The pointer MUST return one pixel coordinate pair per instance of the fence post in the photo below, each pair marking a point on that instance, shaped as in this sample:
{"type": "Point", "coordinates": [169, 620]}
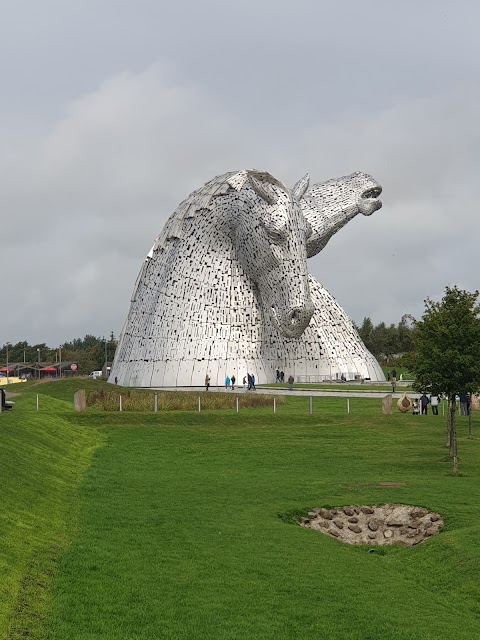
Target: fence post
{"type": "Point", "coordinates": [120, 403]}
{"type": "Point", "coordinates": [348, 405]}
{"type": "Point", "coordinates": [310, 405]}
{"type": "Point", "coordinates": [155, 403]}
{"type": "Point", "coordinates": [198, 404]}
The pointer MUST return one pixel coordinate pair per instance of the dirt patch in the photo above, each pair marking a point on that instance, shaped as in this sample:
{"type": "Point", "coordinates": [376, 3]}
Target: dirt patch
{"type": "Point", "coordinates": [388, 524]}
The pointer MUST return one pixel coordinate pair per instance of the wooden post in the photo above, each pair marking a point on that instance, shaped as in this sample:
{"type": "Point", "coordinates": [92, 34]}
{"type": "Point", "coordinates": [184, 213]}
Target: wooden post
{"type": "Point", "coordinates": [120, 403]}
{"type": "Point", "coordinates": [237, 404]}
{"type": "Point", "coordinates": [199, 404]}
{"type": "Point", "coordinates": [348, 406]}
{"type": "Point", "coordinates": [37, 401]}
{"type": "Point", "coordinates": [274, 405]}
{"type": "Point", "coordinates": [155, 403]}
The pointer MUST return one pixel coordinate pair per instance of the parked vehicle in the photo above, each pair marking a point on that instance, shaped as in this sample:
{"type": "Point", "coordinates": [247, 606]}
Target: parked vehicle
{"type": "Point", "coordinates": [95, 375]}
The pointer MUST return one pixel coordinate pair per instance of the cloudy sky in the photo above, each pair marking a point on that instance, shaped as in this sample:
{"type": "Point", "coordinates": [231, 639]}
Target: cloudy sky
{"type": "Point", "coordinates": [113, 111]}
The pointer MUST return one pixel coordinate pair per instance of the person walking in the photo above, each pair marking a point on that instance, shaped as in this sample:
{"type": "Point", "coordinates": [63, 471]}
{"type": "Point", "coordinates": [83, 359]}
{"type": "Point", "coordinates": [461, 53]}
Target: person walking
{"type": "Point", "coordinates": [282, 376]}
{"type": "Point", "coordinates": [207, 382]}
{"type": "Point", "coordinates": [244, 383]}
{"type": "Point", "coordinates": [291, 380]}
{"type": "Point", "coordinates": [249, 378]}
{"type": "Point", "coordinates": [227, 382]}
{"type": "Point", "coordinates": [253, 382]}
{"type": "Point", "coordinates": [233, 382]}
{"type": "Point", "coordinates": [424, 404]}
{"type": "Point", "coordinates": [434, 401]}
{"type": "Point", "coordinates": [464, 404]}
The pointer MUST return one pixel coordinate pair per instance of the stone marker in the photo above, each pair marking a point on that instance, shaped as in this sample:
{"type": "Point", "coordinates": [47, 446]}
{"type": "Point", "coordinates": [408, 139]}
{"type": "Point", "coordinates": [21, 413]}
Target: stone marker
{"type": "Point", "coordinates": [387, 405]}
{"type": "Point", "coordinates": [80, 400]}
{"type": "Point", "coordinates": [404, 403]}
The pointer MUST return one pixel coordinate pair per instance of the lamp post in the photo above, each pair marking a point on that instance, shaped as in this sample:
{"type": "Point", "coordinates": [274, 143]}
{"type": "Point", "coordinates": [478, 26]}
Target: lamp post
{"type": "Point", "coordinates": [60, 359]}
{"type": "Point", "coordinates": [38, 354]}
{"type": "Point", "coordinates": [105, 340]}
{"type": "Point", "coordinates": [8, 371]}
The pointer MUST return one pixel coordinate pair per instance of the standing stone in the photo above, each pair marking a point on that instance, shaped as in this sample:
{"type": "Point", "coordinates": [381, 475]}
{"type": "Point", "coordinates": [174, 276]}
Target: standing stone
{"type": "Point", "coordinates": [80, 400]}
{"type": "Point", "coordinates": [387, 405]}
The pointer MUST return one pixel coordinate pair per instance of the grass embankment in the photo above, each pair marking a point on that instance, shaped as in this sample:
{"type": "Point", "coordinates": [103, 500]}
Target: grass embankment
{"type": "Point", "coordinates": [43, 457]}
{"type": "Point", "coordinates": [181, 530]}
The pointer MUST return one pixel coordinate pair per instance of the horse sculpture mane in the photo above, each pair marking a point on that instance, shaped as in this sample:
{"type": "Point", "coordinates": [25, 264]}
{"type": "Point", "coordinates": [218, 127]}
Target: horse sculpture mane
{"type": "Point", "coordinates": [233, 247]}
{"type": "Point", "coordinates": [225, 287]}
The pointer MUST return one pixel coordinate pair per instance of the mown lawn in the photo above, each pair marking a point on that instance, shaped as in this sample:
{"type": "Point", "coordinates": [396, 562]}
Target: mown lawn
{"type": "Point", "coordinates": [180, 527]}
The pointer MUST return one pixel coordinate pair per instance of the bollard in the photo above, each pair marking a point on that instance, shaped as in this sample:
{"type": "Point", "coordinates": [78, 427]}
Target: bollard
{"type": "Point", "coordinates": [310, 405]}
{"type": "Point", "coordinates": [120, 403]}
{"type": "Point", "coordinates": [274, 405]}
{"type": "Point", "coordinates": [237, 404]}
{"type": "Point", "coordinates": [198, 404]}
{"type": "Point", "coordinates": [348, 405]}
{"type": "Point", "coordinates": [155, 403]}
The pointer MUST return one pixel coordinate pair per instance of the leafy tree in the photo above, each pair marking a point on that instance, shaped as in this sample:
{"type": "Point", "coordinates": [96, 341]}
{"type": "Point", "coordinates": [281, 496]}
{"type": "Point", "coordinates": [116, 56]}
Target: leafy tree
{"type": "Point", "coordinates": [365, 332]}
{"type": "Point", "coordinates": [446, 354]}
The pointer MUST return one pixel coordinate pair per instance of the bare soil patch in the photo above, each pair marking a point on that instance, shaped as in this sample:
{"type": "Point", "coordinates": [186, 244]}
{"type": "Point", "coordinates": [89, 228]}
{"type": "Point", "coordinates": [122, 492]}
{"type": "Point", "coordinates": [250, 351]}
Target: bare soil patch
{"type": "Point", "coordinates": [388, 524]}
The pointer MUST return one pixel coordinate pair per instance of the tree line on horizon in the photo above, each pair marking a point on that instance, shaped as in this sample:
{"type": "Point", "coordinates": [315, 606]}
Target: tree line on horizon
{"type": "Point", "coordinates": [89, 353]}
{"type": "Point", "coordinates": [387, 343]}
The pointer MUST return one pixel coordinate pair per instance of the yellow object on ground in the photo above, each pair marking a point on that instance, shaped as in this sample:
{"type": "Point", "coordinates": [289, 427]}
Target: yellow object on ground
{"type": "Point", "coordinates": [10, 380]}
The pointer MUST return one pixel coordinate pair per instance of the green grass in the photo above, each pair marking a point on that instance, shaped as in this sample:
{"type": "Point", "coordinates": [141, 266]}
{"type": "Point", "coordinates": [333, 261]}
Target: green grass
{"type": "Point", "coordinates": [181, 525]}
{"type": "Point", "coordinates": [340, 386]}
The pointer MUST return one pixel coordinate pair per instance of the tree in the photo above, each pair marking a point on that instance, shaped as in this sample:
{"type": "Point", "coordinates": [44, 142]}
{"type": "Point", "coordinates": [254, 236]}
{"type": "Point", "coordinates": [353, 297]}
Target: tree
{"type": "Point", "coordinates": [446, 354]}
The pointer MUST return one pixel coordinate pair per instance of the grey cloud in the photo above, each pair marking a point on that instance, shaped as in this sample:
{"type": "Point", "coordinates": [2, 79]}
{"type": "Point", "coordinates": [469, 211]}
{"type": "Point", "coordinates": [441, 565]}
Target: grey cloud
{"type": "Point", "coordinates": [114, 115]}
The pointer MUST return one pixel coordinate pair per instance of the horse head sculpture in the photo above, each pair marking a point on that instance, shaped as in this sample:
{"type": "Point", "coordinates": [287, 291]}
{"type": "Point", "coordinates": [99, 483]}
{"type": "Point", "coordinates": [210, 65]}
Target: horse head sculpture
{"type": "Point", "coordinates": [270, 236]}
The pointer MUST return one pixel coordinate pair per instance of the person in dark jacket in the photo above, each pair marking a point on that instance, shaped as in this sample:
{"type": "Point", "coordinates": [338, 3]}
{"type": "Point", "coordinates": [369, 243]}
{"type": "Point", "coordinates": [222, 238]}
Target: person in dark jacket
{"type": "Point", "coordinates": [424, 404]}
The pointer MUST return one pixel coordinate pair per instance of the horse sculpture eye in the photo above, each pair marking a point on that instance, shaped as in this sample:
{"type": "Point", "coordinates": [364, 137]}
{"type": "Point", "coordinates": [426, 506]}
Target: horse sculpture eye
{"type": "Point", "coordinates": [277, 236]}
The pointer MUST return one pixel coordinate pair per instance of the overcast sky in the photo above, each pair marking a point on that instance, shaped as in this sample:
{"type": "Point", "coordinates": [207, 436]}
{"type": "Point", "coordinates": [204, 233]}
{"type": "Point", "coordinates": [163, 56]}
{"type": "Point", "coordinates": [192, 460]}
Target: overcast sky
{"type": "Point", "coordinates": [113, 111]}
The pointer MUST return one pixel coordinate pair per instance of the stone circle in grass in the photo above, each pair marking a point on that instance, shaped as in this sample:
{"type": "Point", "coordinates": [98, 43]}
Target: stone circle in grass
{"type": "Point", "coordinates": [399, 524]}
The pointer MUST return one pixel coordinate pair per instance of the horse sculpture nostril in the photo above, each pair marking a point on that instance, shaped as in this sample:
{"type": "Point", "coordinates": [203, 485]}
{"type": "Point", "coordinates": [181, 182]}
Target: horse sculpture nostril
{"type": "Point", "coordinates": [300, 316]}
{"type": "Point", "coordinates": [295, 316]}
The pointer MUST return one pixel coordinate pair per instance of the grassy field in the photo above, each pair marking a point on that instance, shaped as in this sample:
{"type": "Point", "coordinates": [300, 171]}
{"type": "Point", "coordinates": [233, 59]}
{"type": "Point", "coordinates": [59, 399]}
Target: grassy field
{"type": "Point", "coordinates": [179, 524]}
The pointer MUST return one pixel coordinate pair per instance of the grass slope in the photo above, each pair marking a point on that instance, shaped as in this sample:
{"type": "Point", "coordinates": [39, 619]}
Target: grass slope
{"type": "Point", "coordinates": [42, 460]}
{"type": "Point", "coordinates": [183, 526]}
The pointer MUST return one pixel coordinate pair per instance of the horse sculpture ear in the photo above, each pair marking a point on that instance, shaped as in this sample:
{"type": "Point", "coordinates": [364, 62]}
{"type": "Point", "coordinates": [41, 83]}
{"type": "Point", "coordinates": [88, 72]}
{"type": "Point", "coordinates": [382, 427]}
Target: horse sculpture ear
{"type": "Point", "coordinates": [300, 188]}
{"type": "Point", "coordinates": [261, 191]}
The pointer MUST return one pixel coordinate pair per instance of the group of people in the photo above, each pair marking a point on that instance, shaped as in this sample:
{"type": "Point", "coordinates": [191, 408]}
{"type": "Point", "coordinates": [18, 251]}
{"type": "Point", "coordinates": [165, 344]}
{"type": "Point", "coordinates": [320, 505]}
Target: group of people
{"type": "Point", "coordinates": [280, 376]}
{"type": "Point", "coordinates": [422, 404]}
{"type": "Point", "coordinates": [248, 382]}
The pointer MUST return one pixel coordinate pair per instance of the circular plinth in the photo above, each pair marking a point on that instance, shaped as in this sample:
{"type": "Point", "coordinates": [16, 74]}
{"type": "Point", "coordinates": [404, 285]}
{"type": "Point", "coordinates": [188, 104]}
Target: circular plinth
{"type": "Point", "coordinates": [387, 524]}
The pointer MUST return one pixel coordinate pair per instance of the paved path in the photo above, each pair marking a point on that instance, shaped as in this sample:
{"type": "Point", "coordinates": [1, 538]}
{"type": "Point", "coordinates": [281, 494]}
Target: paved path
{"type": "Point", "coordinates": [321, 393]}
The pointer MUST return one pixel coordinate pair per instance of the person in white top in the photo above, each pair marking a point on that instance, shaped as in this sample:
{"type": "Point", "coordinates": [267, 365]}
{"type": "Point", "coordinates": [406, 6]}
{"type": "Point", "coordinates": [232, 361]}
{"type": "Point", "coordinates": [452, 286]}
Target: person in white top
{"type": "Point", "coordinates": [434, 401]}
